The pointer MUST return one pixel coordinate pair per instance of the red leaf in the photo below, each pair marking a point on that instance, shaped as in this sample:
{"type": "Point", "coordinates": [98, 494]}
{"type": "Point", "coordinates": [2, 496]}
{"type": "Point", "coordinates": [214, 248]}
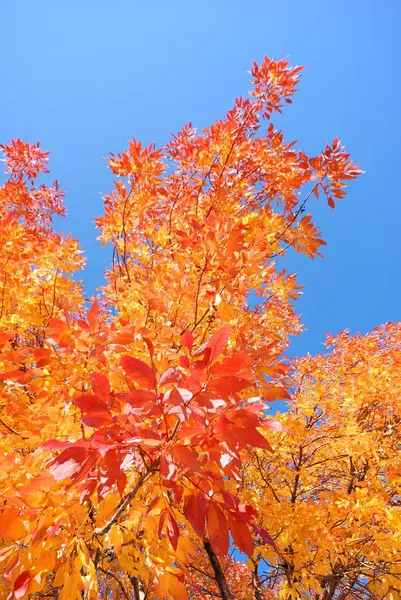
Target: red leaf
{"type": "Point", "coordinates": [137, 396]}
{"type": "Point", "coordinates": [152, 504]}
{"type": "Point", "coordinates": [177, 396]}
{"type": "Point", "coordinates": [121, 483]}
{"type": "Point", "coordinates": [184, 361]}
{"type": "Point", "coordinates": [140, 372]}
{"type": "Point", "coordinates": [223, 424]}
{"type": "Point", "coordinates": [241, 535]}
{"type": "Point", "coordinates": [188, 340]}
{"type": "Point", "coordinates": [230, 365]}
{"type": "Point", "coordinates": [100, 385]}
{"type": "Point", "coordinates": [68, 463]}
{"type": "Point", "coordinates": [140, 402]}
{"type": "Point", "coordinates": [217, 529]}
{"type": "Point", "coordinates": [216, 344]}
{"type": "Point", "coordinates": [265, 535]}
{"type": "Point", "coordinates": [331, 203]}
{"type": "Point", "coordinates": [230, 501]}
{"type": "Point", "coordinates": [55, 527]}
{"type": "Point", "coordinates": [246, 512]}
{"type": "Point", "coordinates": [21, 584]}
{"type": "Point", "coordinates": [89, 403]}
{"type": "Point", "coordinates": [7, 572]}
{"type": "Point", "coordinates": [87, 490]}
{"type": "Point", "coordinates": [97, 418]}
{"type": "Point", "coordinates": [109, 467]}
{"type": "Point", "coordinates": [16, 375]}
{"type": "Point", "coordinates": [150, 437]}
{"type": "Point", "coordinates": [244, 418]}
{"type": "Point", "coordinates": [167, 468]}
{"type": "Point", "coordinates": [56, 325]}
{"type": "Point", "coordinates": [194, 511]}
{"type": "Point", "coordinates": [173, 531]}
{"type": "Point", "coordinates": [252, 437]}
{"type": "Point", "coordinates": [185, 457]}
{"type": "Point", "coordinates": [86, 466]}
{"type": "Point", "coordinates": [150, 346]}
{"type": "Point", "coordinates": [227, 386]}
{"type": "Point", "coordinates": [54, 445]}
{"type": "Point", "coordinates": [172, 375]}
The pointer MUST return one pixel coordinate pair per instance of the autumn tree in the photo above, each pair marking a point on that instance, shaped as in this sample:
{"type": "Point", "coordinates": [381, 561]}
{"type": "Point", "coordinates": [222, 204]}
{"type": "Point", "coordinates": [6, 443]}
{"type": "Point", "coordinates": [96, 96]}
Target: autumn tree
{"type": "Point", "coordinates": [331, 492]}
{"type": "Point", "coordinates": [127, 425]}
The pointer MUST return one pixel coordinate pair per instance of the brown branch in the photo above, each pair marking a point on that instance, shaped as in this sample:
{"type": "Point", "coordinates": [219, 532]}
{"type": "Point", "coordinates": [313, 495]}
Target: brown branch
{"type": "Point", "coordinates": [124, 233]}
{"type": "Point", "coordinates": [205, 177]}
{"type": "Point", "coordinates": [111, 574]}
{"type": "Point", "coordinates": [219, 576]}
{"type": "Point", "coordinates": [256, 583]}
{"type": "Point", "coordinates": [352, 472]}
{"type": "Point", "coordinates": [298, 212]}
{"type": "Point", "coordinates": [3, 292]}
{"type": "Point", "coordinates": [297, 476]}
{"type": "Point", "coordinates": [234, 142]}
{"type": "Point", "coordinates": [267, 482]}
{"type": "Point", "coordinates": [124, 504]}
{"type": "Point", "coordinates": [11, 430]}
{"type": "Point", "coordinates": [198, 291]}
{"type": "Point", "coordinates": [54, 293]}
{"type": "Point", "coordinates": [201, 571]}
{"type": "Point", "coordinates": [138, 593]}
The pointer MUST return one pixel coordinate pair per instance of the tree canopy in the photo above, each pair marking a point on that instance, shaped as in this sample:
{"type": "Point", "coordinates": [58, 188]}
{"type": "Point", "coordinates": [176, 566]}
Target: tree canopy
{"type": "Point", "coordinates": [138, 456]}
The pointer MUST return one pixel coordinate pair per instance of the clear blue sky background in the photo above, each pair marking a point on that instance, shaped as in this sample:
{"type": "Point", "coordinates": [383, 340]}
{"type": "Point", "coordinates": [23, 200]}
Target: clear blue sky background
{"type": "Point", "coordinates": [84, 76]}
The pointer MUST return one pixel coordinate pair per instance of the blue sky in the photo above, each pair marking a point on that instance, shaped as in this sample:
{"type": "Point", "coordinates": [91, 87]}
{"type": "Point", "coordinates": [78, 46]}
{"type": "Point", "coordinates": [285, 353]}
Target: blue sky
{"type": "Point", "coordinates": [85, 76]}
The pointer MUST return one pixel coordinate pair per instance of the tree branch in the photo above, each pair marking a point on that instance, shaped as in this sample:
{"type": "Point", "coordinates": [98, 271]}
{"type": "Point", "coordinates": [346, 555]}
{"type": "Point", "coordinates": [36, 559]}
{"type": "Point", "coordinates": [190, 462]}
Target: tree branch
{"type": "Point", "coordinates": [221, 581]}
{"type": "Point", "coordinates": [111, 574]}
{"type": "Point", "coordinates": [11, 430]}
{"type": "Point", "coordinates": [128, 499]}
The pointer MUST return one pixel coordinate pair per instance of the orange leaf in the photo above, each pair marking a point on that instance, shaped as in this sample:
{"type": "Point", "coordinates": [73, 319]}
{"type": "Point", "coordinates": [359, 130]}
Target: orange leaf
{"type": "Point", "coordinates": [92, 317]}
{"type": "Point", "coordinates": [11, 525]}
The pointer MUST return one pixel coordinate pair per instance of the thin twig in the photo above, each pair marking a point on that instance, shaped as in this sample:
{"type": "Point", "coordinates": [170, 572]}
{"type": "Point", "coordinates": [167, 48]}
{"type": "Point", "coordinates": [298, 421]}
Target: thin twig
{"type": "Point", "coordinates": [111, 574]}
{"type": "Point", "coordinates": [128, 499]}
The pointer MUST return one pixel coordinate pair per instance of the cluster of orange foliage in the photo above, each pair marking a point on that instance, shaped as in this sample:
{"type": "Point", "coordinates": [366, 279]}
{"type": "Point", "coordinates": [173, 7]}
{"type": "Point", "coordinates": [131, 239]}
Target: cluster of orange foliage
{"type": "Point", "coordinates": [136, 450]}
{"type": "Point", "coordinates": [331, 492]}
